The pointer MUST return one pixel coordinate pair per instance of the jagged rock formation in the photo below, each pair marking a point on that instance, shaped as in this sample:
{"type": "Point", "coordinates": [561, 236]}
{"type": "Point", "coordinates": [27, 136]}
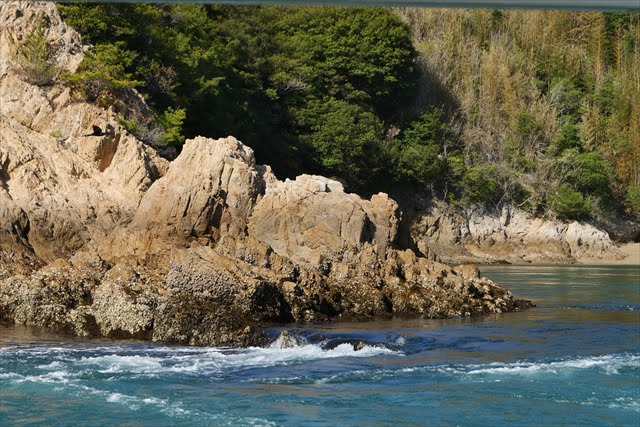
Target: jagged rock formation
{"type": "Point", "coordinates": [99, 236]}
{"type": "Point", "coordinates": [509, 236]}
{"type": "Point", "coordinates": [305, 219]}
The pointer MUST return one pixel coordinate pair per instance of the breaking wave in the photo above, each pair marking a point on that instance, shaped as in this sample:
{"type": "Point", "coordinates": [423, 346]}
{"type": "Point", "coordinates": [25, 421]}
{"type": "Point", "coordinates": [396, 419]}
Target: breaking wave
{"type": "Point", "coordinates": [154, 361]}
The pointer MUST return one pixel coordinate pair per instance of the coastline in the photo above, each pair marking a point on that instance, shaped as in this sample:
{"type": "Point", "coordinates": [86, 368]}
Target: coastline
{"type": "Point", "coordinates": [101, 236]}
{"type": "Point", "coordinates": [630, 250]}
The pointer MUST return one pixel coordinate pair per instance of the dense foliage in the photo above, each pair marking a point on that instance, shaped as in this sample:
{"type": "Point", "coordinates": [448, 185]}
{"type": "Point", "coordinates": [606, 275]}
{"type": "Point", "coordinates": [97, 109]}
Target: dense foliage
{"type": "Point", "coordinates": [545, 104]}
{"type": "Point", "coordinates": [310, 89]}
{"type": "Point", "coordinates": [540, 109]}
{"type": "Point", "coordinates": [102, 73]}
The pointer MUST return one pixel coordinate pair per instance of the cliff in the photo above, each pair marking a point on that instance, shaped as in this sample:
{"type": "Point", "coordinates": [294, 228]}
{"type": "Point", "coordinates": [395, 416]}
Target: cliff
{"type": "Point", "coordinates": [100, 236]}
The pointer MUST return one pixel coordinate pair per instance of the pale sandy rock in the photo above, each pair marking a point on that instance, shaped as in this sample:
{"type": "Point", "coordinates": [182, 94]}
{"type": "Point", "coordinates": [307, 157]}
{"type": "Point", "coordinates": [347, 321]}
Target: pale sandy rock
{"type": "Point", "coordinates": [510, 236]}
{"type": "Point", "coordinates": [207, 279]}
{"type": "Point", "coordinates": [586, 241]}
{"type": "Point", "coordinates": [16, 254]}
{"type": "Point", "coordinates": [73, 188]}
{"type": "Point", "coordinates": [385, 216]}
{"type": "Point", "coordinates": [216, 199]}
{"type": "Point", "coordinates": [311, 217]}
{"type": "Point", "coordinates": [18, 18]}
{"type": "Point", "coordinates": [66, 197]}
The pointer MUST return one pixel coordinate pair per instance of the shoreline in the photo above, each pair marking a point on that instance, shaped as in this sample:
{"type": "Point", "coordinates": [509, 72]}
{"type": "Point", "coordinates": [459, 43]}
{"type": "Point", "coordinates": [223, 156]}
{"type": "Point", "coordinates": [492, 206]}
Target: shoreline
{"type": "Point", "coordinates": [631, 253]}
{"type": "Point", "coordinates": [631, 250]}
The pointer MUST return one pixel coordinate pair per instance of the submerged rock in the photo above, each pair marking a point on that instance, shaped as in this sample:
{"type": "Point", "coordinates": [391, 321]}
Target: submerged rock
{"type": "Point", "coordinates": [333, 343]}
{"type": "Point", "coordinates": [287, 340]}
{"type": "Point", "coordinates": [100, 236]}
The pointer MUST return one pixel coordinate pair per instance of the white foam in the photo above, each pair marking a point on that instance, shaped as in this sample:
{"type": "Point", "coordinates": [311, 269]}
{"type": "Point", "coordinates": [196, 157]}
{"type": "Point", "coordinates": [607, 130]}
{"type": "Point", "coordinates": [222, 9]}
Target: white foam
{"type": "Point", "coordinates": [115, 363]}
{"type": "Point", "coordinates": [170, 360]}
{"type": "Point", "coordinates": [52, 365]}
{"type": "Point", "coordinates": [121, 398]}
{"type": "Point", "coordinates": [400, 341]}
{"type": "Point", "coordinates": [57, 377]}
{"type": "Point", "coordinates": [133, 402]}
{"type": "Point", "coordinates": [610, 364]}
{"type": "Point", "coordinates": [7, 375]}
{"type": "Point", "coordinates": [626, 403]}
{"type": "Point", "coordinates": [172, 409]}
{"type": "Point", "coordinates": [287, 340]}
{"type": "Point", "coordinates": [218, 360]}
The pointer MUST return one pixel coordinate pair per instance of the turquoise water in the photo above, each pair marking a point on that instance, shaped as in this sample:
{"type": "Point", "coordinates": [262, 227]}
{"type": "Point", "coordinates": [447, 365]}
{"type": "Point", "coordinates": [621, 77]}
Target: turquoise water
{"type": "Point", "coordinates": [575, 359]}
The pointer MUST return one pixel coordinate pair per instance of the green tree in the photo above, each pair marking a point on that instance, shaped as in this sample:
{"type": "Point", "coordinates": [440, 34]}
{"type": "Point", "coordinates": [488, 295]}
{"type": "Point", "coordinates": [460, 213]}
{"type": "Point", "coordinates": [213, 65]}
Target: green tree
{"type": "Point", "coordinates": [480, 184]}
{"type": "Point", "coordinates": [419, 161]}
{"type": "Point", "coordinates": [362, 56]}
{"type": "Point", "coordinates": [260, 73]}
{"type": "Point", "coordinates": [36, 57]}
{"type": "Point", "coordinates": [345, 140]}
{"type": "Point", "coordinates": [103, 71]}
{"type": "Point", "coordinates": [566, 139]}
{"type": "Point", "coordinates": [570, 204]}
{"type": "Point", "coordinates": [171, 120]}
{"type": "Point", "coordinates": [591, 174]}
{"type": "Point", "coordinates": [632, 200]}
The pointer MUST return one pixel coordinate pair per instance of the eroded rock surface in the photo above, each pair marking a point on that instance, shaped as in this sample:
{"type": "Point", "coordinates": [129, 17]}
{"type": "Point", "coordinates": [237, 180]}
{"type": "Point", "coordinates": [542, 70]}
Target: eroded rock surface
{"type": "Point", "coordinates": [99, 236]}
{"type": "Point", "coordinates": [510, 236]}
{"type": "Point", "coordinates": [305, 219]}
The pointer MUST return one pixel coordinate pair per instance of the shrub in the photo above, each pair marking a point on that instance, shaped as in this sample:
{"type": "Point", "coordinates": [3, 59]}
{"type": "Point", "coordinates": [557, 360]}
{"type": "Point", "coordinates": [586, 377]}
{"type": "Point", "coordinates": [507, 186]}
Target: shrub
{"type": "Point", "coordinates": [570, 204]}
{"type": "Point", "coordinates": [132, 126]}
{"type": "Point", "coordinates": [591, 174]}
{"type": "Point", "coordinates": [525, 123]}
{"type": "Point", "coordinates": [37, 58]}
{"type": "Point", "coordinates": [567, 138]}
{"type": "Point", "coordinates": [633, 200]}
{"type": "Point", "coordinates": [102, 72]}
{"type": "Point", "coordinates": [172, 121]}
{"type": "Point", "coordinates": [344, 140]}
{"type": "Point", "coordinates": [418, 160]}
{"type": "Point", "coordinates": [151, 133]}
{"type": "Point", "coordinates": [480, 183]}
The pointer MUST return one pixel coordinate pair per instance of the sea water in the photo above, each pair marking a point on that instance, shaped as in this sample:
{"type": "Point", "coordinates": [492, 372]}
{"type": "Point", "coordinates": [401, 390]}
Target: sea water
{"type": "Point", "coordinates": [575, 359]}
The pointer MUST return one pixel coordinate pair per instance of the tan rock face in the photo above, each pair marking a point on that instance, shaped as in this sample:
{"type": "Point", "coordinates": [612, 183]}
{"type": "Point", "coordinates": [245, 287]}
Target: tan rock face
{"type": "Point", "coordinates": [217, 200]}
{"type": "Point", "coordinates": [73, 188]}
{"type": "Point", "coordinates": [20, 17]}
{"type": "Point", "coordinates": [99, 236]}
{"type": "Point", "coordinates": [512, 236]}
{"type": "Point", "coordinates": [306, 219]}
{"type": "Point", "coordinates": [16, 255]}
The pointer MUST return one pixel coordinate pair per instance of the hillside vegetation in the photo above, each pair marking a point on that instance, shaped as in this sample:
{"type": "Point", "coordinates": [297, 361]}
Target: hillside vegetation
{"type": "Point", "coordinates": [545, 105]}
{"type": "Point", "coordinates": [538, 109]}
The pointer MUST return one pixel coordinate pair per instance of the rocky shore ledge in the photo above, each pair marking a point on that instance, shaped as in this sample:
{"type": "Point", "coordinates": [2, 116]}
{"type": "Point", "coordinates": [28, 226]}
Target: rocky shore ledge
{"type": "Point", "coordinates": [100, 236]}
{"type": "Point", "coordinates": [512, 236]}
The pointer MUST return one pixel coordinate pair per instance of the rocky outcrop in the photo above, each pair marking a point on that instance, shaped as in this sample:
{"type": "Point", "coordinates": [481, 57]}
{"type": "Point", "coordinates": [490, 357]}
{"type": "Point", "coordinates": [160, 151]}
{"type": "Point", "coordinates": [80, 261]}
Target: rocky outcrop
{"type": "Point", "coordinates": [17, 18]}
{"type": "Point", "coordinates": [72, 188]}
{"type": "Point", "coordinates": [305, 219]}
{"type": "Point", "coordinates": [218, 247]}
{"type": "Point", "coordinates": [220, 196]}
{"type": "Point", "coordinates": [101, 237]}
{"type": "Point", "coordinates": [508, 236]}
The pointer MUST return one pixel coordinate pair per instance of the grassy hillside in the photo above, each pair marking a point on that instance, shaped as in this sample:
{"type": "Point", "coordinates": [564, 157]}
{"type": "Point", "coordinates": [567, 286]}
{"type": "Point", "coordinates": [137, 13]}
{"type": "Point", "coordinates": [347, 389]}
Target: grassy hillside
{"type": "Point", "coordinates": [539, 109]}
{"type": "Point", "coordinates": [549, 102]}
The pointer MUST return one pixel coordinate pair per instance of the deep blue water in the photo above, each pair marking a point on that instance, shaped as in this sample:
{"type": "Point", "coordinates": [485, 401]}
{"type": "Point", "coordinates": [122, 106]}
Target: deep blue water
{"type": "Point", "coordinates": [574, 360]}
